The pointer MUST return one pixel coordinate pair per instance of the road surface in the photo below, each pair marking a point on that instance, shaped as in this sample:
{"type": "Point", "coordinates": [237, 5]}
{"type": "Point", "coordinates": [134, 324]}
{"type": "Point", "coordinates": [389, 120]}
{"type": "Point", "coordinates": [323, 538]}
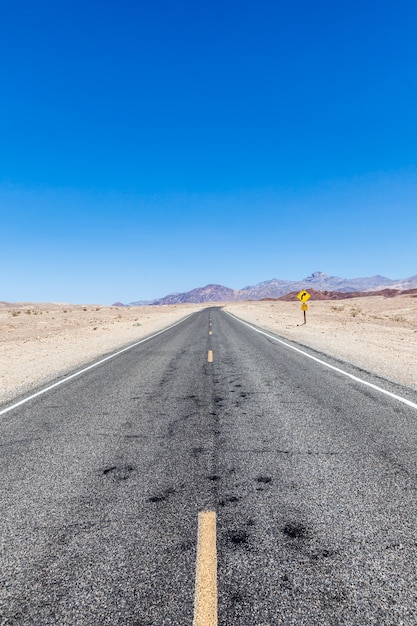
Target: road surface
{"type": "Point", "coordinates": [311, 475]}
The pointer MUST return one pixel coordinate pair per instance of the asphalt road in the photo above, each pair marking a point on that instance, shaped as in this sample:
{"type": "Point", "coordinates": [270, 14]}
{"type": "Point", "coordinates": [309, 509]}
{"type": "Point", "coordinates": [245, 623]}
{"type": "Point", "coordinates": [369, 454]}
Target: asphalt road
{"type": "Point", "coordinates": [312, 476]}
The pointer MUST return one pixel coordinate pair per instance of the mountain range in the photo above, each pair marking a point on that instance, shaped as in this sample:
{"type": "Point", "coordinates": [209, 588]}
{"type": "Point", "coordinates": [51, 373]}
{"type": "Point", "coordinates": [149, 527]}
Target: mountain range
{"type": "Point", "coordinates": [277, 288]}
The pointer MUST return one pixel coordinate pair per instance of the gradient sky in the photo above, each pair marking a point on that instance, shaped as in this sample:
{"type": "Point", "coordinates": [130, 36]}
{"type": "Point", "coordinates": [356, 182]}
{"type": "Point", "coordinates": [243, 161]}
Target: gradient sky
{"type": "Point", "coordinates": [152, 147]}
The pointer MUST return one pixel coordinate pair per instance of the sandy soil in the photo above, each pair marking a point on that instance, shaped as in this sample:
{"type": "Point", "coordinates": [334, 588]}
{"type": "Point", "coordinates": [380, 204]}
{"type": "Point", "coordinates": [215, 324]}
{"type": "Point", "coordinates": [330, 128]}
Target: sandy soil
{"type": "Point", "coordinates": [376, 333]}
{"type": "Point", "coordinates": [39, 342]}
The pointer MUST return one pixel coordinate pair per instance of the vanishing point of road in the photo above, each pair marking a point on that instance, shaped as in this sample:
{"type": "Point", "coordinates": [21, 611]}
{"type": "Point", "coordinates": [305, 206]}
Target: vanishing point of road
{"type": "Point", "coordinates": [210, 470]}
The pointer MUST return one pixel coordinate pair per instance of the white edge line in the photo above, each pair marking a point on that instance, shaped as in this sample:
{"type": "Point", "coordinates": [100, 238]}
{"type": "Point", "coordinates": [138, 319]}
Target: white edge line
{"type": "Point", "coordinates": [90, 367]}
{"type": "Point", "coordinates": [413, 405]}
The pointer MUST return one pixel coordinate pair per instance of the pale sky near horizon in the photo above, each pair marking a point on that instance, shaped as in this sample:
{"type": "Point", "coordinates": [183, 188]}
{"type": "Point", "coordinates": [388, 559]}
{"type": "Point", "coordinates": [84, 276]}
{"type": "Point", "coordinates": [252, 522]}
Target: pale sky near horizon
{"type": "Point", "coordinates": [153, 147]}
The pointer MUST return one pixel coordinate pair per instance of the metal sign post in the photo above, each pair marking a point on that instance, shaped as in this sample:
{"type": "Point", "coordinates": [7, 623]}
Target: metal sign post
{"type": "Point", "coordinates": [304, 308]}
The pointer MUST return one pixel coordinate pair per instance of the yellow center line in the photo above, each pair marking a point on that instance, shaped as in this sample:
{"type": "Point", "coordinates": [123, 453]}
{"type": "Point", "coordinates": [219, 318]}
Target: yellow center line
{"type": "Point", "coordinates": [210, 356]}
{"type": "Point", "coordinates": [205, 603]}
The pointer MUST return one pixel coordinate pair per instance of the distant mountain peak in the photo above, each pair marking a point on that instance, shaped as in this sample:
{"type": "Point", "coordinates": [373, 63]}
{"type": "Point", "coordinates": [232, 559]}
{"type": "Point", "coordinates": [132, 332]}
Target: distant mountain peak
{"type": "Point", "coordinates": [317, 275]}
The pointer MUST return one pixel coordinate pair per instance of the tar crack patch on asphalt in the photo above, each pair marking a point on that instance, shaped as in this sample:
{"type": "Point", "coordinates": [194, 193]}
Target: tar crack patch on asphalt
{"type": "Point", "coordinates": [294, 531]}
{"type": "Point", "coordinates": [119, 473]}
{"type": "Point", "coordinates": [161, 497]}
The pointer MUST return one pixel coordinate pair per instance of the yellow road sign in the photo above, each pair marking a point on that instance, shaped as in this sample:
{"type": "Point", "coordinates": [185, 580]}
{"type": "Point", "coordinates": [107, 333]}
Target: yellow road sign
{"type": "Point", "coordinates": [304, 307]}
{"type": "Point", "coordinates": [303, 296]}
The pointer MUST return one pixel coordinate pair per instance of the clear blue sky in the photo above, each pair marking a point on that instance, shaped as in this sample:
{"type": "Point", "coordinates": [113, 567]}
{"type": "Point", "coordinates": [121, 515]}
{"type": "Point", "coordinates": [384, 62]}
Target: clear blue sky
{"type": "Point", "coordinates": [151, 147]}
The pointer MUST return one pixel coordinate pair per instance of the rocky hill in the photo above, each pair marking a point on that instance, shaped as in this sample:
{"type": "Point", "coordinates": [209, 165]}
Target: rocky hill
{"type": "Point", "coordinates": [277, 288]}
{"type": "Point", "coordinates": [343, 295]}
{"type": "Point", "coordinates": [209, 293]}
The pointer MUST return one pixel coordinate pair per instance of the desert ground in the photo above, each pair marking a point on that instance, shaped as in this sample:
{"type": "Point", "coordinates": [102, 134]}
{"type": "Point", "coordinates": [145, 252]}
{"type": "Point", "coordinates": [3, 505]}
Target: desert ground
{"type": "Point", "coordinates": [40, 342]}
{"type": "Point", "coordinates": [376, 333]}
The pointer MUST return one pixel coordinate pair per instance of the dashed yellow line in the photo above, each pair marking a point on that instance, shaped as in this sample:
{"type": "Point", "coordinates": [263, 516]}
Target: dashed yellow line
{"type": "Point", "coordinates": [205, 603]}
{"type": "Point", "coordinates": [210, 356]}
